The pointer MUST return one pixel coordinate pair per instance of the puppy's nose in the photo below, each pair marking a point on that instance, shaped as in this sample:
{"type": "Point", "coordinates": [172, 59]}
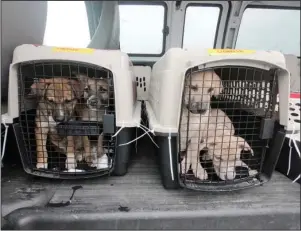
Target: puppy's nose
{"type": "Point", "coordinates": [93, 102]}
{"type": "Point", "coordinates": [59, 119]}
{"type": "Point", "coordinates": [202, 111]}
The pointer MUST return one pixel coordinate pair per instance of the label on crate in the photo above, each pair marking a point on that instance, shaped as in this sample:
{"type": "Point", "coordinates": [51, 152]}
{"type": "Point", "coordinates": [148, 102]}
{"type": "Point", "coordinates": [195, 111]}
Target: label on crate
{"type": "Point", "coordinates": [229, 51]}
{"type": "Point", "coordinates": [73, 50]}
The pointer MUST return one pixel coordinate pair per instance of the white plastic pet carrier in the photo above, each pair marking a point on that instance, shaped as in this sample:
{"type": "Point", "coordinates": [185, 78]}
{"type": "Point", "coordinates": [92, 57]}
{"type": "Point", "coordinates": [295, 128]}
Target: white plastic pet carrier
{"type": "Point", "coordinates": [214, 114]}
{"type": "Point", "coordinates": [70, 102]}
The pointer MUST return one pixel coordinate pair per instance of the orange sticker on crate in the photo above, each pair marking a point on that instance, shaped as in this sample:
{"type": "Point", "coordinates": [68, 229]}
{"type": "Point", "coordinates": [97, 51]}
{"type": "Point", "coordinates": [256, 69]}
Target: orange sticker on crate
{"type": "Point", "coordinates": [229, 51]}
{"type": "Point", "coordinates": [73, 50]}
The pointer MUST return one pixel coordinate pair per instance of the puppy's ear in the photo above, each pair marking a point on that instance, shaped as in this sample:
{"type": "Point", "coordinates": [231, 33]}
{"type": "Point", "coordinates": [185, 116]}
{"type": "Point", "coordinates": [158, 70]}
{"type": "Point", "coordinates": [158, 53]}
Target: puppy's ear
{"type": "Point", "coordinates": [81, 77]}
{"type": "Point", "coordinates": [39, 88]}
{"type": "Point", "coordinates": [217, 84]}
{"type": "Point", "coordinates": [77, 88]}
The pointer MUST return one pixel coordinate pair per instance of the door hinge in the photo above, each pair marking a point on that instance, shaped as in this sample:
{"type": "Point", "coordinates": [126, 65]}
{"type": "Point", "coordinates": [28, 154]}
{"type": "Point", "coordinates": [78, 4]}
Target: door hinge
{"type": "Point", "coordinates": [166, 30]}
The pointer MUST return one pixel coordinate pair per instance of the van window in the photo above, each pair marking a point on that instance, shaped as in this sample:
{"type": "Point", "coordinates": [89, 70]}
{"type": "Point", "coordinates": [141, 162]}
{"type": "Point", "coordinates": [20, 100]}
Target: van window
{"type": "Point", "coordinates": [141, 29]}
{"type": "Point", "coordinates": [67, 24]}
{"type": "Point", "coordinates": [270, 29]}
{"type": "Point", "coordinates": [200, 26]}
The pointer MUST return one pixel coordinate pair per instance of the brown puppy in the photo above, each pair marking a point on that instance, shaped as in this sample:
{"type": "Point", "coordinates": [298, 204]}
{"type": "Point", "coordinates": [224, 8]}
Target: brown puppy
{"type": "Point", "coordinates": [96, 97]}
{"type": "Point", "coordinates": [57, 100]}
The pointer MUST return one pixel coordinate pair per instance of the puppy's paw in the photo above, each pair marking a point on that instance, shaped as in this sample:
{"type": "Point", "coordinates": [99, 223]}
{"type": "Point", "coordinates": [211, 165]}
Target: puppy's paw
{"type": "Point", "coordinates": [184, 167]}
{"type": "Point", "coordinates": [70, 166]}
{"type": "Point", "coordinates": [42, 165]}
{"type": "Point", "coordinates": [202, 174]}
{"type": "Point", "coordinates": [253, 172]}
{"type": "Point", "coordinates": [74, 170]}
{"type": "Point", "coordinates": [102, 162]}
{"type": "Point", "coordinates": [79, 158]}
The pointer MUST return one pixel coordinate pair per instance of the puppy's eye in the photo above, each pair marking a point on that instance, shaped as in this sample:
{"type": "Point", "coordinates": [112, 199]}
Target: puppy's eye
{"type": "Point", "coordinates": [68, 101]}
{"type": "Point", "coordinates": [50, 100]}
{"type": "Point", "coordinates": [210, 89]}
{"type": "Point", "coordinates": [194, 88]}
{"type": "Point", "coordinates": [87, 88]}
{"type": "Point", "coordinates": [102, 89]}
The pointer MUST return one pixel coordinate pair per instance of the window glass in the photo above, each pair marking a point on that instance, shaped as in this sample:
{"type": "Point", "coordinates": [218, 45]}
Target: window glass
{"type": "Point", "coordinates": [200, 26]}
{"type": "Point", "coordinates": [270, 29]}
{"type": "Point", "coordinates": [67, 24]}
{"type": "Point", "coordinates": [141, 28]}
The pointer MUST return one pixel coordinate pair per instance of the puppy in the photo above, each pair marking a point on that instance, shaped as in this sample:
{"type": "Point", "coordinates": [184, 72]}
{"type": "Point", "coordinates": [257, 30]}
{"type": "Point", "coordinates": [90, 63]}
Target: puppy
{"type": "Point", "coordinates": [223, 148]}
{"type": "Point", "coordinates": [199, 88]}
{"type": "Point", "coordinates": [57, 100]}
{"type": "Point", "coordinates": [218, 124]}
{"type": "Point", "coordinates": [190, 136]}
{"type": "Point", "coordinates": [225, 155]}
{"type": "Point", "coordinates": [96, 98]}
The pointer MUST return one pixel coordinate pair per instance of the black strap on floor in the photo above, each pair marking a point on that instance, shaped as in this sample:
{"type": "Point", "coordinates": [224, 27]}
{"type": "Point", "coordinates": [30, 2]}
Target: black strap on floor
{"type": "Point", "coordinates": [64, 204]}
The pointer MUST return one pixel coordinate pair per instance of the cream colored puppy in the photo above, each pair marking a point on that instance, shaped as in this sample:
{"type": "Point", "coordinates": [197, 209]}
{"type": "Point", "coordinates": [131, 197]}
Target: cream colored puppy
{"type": "Point", "coordinates": [190, 141]}
{"type": "Point", "coordinates": [199, 88]}
{"type": "Point", "coordinates": [223, 147]}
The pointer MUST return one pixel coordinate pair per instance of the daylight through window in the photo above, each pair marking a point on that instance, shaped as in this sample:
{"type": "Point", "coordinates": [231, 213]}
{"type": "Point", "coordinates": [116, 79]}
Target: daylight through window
{"type": "Point", "coordinates": [270, 29]}
{"type": "Point", "coordinates": [141, 29]}
{"type": "Point", "coordinates": [200, 26]}
{"type": "Point", "coordinates": [67, 24]}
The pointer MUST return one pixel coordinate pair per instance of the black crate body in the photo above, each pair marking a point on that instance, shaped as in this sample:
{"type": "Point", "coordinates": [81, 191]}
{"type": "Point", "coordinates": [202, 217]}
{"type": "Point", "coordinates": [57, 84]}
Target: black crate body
{"type": "Point", "coordinates": [248, 99]}
{"type": "Point", "coordinates": [95, 94]}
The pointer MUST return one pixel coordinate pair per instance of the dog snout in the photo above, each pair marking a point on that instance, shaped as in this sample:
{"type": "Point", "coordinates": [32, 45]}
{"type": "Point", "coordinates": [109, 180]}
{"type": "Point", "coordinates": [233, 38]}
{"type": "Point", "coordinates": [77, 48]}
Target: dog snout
{"type": "Point", "coordinates": [92, 102]}
{"type": "Point", "coordinates": [58, 118]}
{"type": "Point", "coordinates": [59, 114]}
{"type": "Point", "coordinates": [199, 107]}
{"type": "Point", "coordinates": [201, 111]}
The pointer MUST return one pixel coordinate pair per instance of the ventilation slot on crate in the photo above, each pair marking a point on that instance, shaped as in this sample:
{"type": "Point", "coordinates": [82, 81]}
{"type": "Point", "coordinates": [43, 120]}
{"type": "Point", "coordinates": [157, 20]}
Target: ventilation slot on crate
{"type": "Point", "coordinates": [141, 83]}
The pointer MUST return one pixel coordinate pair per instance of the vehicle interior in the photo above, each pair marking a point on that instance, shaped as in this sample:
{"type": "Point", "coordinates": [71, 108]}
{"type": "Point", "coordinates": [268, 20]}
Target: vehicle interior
{"type": "Point", "coordinates": [146, 30]}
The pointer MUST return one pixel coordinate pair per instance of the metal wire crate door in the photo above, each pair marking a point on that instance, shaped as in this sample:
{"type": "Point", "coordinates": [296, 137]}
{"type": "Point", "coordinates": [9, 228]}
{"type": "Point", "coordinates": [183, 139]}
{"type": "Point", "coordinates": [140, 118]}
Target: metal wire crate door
{"type": "Point", "coordinates": [68, 101]}
{"type": "Point", "coordinates": [226, 123]}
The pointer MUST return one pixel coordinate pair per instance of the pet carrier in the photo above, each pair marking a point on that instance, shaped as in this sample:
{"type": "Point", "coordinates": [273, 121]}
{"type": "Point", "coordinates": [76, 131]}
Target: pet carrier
{"type": "Point", "coordinates": [76, 107]}
{"type": "Point", "coordinates": [213, 113]}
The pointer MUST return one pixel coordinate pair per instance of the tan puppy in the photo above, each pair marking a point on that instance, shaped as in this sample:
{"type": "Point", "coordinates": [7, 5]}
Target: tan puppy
{"type": "Point", "coordinates": [223, 147]}
{"type": "Point", "coordinates": [196, 126]}
{"type": "Point", "coordinates": [57, 100]}
{"type": "Point", "coordinates": [199, 88]}
{"type": "Point", "coordinates": [225, 154]}
{"type": "Point", "coordinates": [96, 97]}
